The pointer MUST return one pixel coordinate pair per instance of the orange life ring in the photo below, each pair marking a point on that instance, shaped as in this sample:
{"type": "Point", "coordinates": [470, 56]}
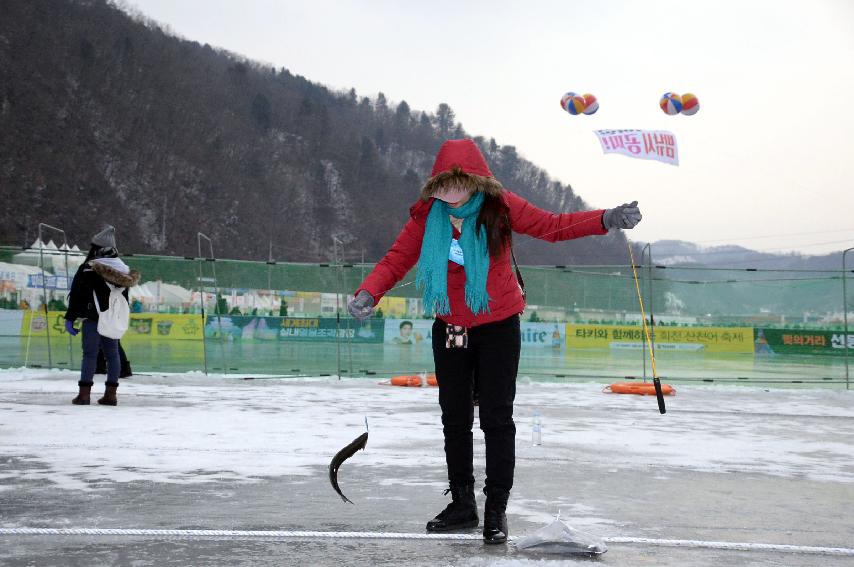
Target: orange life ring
{"type": "Point", "coordinates": [410, 381]}
{"type": "Point", "coordinates": [413, 381]}
{"type": "Point", "coordinates": [639, 388]}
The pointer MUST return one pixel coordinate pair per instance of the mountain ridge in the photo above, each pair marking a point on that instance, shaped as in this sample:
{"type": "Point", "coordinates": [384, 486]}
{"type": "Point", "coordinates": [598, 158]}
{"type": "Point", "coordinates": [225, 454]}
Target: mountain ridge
{"type": "Point", "coordinates": [675, 253]}
{"type": "Point", "coordinates": [110, 118]}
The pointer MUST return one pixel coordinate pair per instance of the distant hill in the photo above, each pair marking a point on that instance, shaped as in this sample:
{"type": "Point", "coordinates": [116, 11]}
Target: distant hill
{"type": "Point", "coordinates": [106, 117]}
{"type": "Point", "coordinates": [723, 284]}
{"type": "Point", "coordinates": [682, 253]}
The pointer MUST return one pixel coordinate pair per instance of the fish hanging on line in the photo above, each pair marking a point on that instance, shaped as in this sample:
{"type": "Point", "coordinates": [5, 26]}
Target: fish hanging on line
{"type": "Point", "coordinates": [358, 443]}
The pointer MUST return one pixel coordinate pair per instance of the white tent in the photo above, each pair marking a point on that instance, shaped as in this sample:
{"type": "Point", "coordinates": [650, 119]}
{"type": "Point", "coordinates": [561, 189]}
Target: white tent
{"type": "Point", "coordinates": [167, 294]}
{"type": "Point", "coordinates": [17, 273]}
{"type": "Point", "coordinates": [30, 256]}
{"type": "Point", "coordinates": [54, 258]}
{"type": "Point", "coordinates": [254, 300]}
{"type": "Point", "coordinates": [18, 276]}
{"type": "Point", "coordinates": [141, 293]}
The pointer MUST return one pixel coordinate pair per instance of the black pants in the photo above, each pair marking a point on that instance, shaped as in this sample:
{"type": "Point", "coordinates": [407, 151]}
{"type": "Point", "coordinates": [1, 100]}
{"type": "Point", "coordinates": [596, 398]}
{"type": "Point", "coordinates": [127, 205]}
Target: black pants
{"type": "Point", "coordinates": [101, 366]}
{"type": "Point", "coordinates": [492, 355]}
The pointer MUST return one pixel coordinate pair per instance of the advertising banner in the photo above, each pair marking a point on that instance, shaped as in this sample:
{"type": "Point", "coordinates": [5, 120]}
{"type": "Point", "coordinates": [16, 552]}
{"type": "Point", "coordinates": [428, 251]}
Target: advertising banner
{"type": "Point", "coordinates": [10, 322]}
{"type": "Point", "coordinates": [393, 306]}
{"type": "Point", "coordinates": [656, 145]}
{"type": "Point", "coordinates": [419, 331]}
{"type": "Point", "coordinates": [409, 332]}
{"type": "Point", "coordinates": [709, 339]}
{"type": "Point", "coordinates": [142, 326]}
{"type": "Point", "coordinates": [47, 281]}
{"type": "Point", "coordinates": [164, 327]}
{"type": "Point", "coordinates": [786, 341]}
{"type": "Point", "coordinates": [247, 327]}
{"type": "Point", "coordinates": [543, 335]}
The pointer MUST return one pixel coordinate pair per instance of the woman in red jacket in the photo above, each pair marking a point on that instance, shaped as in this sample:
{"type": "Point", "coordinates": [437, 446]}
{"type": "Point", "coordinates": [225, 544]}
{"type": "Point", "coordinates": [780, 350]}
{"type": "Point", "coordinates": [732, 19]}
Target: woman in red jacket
{"type": "Point", "coordinates": [460, 235]}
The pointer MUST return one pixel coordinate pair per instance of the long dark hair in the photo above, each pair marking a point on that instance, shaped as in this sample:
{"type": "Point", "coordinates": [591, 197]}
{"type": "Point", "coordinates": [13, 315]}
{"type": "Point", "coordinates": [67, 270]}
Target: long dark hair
{"type": "Point", "coordinates": [92, 251]}
{"type": "Point", "coordinates": [495, 217]}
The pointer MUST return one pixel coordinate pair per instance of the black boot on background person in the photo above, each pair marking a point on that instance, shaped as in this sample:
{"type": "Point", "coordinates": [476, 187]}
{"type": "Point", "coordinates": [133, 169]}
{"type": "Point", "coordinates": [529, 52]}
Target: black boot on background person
{"type": "Point", "coordinates": [460, 514]}
{"type": "Point", "coordinates": [494, 516]}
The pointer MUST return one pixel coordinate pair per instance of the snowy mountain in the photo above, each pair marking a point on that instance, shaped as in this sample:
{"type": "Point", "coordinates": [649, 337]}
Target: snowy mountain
{"type": "Point", "coordinates": [107, 118]}
{"type": "Point", "coordinates": [682, 253]}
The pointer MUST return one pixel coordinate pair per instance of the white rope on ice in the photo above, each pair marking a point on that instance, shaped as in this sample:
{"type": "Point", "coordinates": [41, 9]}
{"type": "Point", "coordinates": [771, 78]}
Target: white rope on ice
{"type": "Point", "coordinates": [268, 534]}
{"type": "Point", "coordinates": [734, 546]}
{"type": "Point", "coordinates": [280, 534]}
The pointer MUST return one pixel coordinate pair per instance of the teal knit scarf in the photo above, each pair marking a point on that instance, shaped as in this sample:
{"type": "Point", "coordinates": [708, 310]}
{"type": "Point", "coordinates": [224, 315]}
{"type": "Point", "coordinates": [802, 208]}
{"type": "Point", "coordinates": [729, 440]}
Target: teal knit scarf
{"type": "Point", "coordinates": [432, 272]}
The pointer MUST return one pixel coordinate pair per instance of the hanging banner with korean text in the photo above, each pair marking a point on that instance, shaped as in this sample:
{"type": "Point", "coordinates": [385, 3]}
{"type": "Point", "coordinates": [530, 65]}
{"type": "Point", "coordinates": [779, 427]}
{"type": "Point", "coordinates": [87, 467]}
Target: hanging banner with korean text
{"type": "Point", "coordinates": [657, 145]}
{"type": "Point", "coordinates": [806, 341]}
{"type": "Point", "coordinates": [683, 339]}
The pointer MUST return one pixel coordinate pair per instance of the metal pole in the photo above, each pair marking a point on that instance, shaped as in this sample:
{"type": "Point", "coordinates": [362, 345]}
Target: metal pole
{"type": "Point", "coordinates": [202, 302]}
{"type": "Point", "coordinates": [349, 338]}
{"type": "Point", "coordinates": [651, 306]}
{"type": "Point", "coordinates": [68, 287]}
{"type": "Point", "coordinates": [44, 298]}
{"type": "Point", "coordinates": [845, 315]}
{"type": "Point", "coordinates": [44, 285]}
{"type": "Point", "coordinates": [199, 237]}
{"type": "Point", "coordinates": [270, 275]}
{"type": "Point", "coordinates": [337, 306]}
{"type": "Point", "coordinates": [643, 335]}
{"type": "Point", "coordinates": [338, 292]}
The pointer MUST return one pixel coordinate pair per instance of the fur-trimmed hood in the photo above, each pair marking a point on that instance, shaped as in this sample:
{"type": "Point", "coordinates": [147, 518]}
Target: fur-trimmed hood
{"type": "Point", "coordinates": [114, 276]}
{"type": "Point", "coordinates": [459, 164]}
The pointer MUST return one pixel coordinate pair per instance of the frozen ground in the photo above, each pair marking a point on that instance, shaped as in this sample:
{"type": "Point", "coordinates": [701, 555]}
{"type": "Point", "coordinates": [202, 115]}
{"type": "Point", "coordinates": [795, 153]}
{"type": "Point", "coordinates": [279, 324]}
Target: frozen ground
{"type": "Point", "coordinates": [732, 464]}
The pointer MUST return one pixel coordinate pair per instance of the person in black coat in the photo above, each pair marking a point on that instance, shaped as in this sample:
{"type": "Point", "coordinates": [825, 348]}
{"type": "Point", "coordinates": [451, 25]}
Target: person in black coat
{"type": "Point", "coordinates": [124, 372]}
{"type": "Point", "coordinates": [89, 290]}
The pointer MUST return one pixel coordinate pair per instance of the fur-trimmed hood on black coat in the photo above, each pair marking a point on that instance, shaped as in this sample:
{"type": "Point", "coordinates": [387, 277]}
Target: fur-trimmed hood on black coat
{"type": "Point", "coordinates": [114, 276]}
{"type": "Point", "coordinates": [90, 280]}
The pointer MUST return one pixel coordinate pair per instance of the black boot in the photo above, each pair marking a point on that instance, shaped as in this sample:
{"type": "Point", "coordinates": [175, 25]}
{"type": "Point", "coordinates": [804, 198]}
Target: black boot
{"type": "Point", "coordinates": [82, 398]}
{"type": "Point", "coordinates": [494, 517]}
{"type": "Point", "coordinates": [461, 513]}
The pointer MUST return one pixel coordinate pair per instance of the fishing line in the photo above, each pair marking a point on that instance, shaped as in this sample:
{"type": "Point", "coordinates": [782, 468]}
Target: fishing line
{"type": "Point", "coordinates": [539, 237]}
{"type": "Point", "coordinates": [658, 394]}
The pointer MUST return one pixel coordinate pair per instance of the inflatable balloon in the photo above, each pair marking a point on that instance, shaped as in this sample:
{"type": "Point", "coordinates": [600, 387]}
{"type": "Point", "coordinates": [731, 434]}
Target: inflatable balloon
{"type": "Point", "coordinates": [565, 98]}
{"type": "Point", "coordinates": [690, 104]}
{"type": "Point", "coordinates": [591, 105]}
{"type": "Point", "coordinates": [670, 103]}
{"type": "Point", "coordinates": [575, 105]}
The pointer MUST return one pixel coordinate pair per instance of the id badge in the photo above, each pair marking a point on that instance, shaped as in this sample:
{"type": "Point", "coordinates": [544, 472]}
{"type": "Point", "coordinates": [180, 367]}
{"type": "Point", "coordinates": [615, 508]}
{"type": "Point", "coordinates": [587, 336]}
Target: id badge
{"type": "Point", "coordinates": [456, 336]}
{"type": "Point", "coordinates": [456, 253]}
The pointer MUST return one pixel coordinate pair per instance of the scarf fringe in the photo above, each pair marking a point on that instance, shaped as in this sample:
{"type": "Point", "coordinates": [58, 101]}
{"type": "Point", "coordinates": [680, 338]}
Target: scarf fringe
{"type": "Point", "coordinates": [477, 302]}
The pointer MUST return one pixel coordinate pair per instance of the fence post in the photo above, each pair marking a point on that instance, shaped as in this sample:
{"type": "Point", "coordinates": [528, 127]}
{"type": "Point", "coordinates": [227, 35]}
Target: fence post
{"type": "Point", "coordinates": [44, 287]}
{"type": "Point", "coordinates": [845, 314]}
{"type": "Point", "coordinates": [201, 283]}
{"type": "Point", "coordinates": [199, 237]}
{"type": "Point", "coordinates": [651, 317]}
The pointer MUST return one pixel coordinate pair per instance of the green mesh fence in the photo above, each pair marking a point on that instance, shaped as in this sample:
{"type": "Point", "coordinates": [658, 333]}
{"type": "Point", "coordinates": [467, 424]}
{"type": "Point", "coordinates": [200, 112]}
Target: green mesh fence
{"type": "Point", "coordinates": [280, 319]}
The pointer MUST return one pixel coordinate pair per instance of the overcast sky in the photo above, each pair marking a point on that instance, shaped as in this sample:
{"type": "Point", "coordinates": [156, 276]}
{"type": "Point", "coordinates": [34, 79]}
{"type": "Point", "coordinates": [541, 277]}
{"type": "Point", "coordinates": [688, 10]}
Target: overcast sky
{"type": "Point", "coordinates": [767, 163]}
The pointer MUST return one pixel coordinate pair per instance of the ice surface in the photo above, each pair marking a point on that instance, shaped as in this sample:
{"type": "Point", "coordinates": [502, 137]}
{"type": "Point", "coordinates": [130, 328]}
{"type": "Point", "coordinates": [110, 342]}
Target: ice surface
{"type": "Point", "coordinates": [190, 428]}
{"type": "Point", "coordinates": [724, 464]}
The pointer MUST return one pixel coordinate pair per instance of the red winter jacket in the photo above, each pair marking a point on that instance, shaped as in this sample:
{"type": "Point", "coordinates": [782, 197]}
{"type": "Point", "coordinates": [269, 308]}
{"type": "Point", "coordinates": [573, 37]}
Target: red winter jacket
{"type": "Point", "coordinates": [505, 296]}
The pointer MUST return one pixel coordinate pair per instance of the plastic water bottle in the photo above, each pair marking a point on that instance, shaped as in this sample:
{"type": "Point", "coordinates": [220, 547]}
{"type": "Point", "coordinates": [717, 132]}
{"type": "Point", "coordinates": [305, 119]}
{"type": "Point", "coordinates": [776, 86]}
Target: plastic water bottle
{"type": "Point", "coordinates": [536, 430]}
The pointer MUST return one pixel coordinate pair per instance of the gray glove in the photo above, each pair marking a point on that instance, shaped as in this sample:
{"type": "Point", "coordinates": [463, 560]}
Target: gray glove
{"type": "Point", "coordinates": [627, 215]}
{"type": "Point", "coordinates": [362, 306]}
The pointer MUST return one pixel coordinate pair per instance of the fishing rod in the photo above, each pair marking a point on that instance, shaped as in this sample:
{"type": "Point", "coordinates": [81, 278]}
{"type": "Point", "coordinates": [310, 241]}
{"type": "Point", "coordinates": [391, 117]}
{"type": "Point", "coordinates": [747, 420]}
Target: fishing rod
{"type": "Point", "coordinates": [658, 394]}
